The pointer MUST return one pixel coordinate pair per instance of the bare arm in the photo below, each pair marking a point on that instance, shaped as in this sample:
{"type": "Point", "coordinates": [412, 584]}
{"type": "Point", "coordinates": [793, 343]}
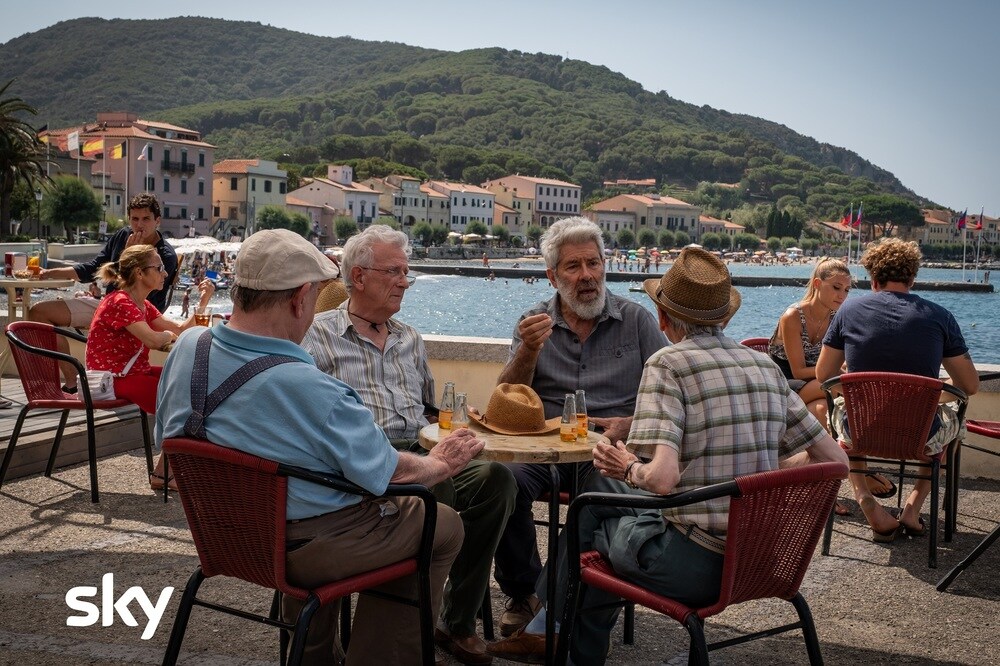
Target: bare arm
{"type": "Point", "coordinates": [615, 427]}
{"type": "Point", "coordinates": [962, 372]}
{"type": "Point", "coordinates": [533, 332]}
{"type": "Point", "coordinates": [659, 476]}
{"type": "Point", "coordinates": [790, 330]}
{"type": "Point", "coordinates": [825, 450]}
{"type": "Point", "coordinates": [829, 364]}
{"type": "Point", "coordinates": [64, 273]}
{"type": "Point", "coordinates": [446, 459]}
{"type": "Point", "coordinates": [149, 337]}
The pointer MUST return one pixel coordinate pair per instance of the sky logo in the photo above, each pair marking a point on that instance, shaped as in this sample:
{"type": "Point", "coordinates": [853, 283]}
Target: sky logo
{"type": "Point", "coordinates": [109, 606]}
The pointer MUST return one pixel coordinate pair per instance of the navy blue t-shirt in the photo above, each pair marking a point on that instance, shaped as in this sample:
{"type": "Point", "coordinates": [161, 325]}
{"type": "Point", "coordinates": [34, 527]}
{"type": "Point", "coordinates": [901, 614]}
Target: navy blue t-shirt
{"type": "Point", "coordinates": [887, 331]}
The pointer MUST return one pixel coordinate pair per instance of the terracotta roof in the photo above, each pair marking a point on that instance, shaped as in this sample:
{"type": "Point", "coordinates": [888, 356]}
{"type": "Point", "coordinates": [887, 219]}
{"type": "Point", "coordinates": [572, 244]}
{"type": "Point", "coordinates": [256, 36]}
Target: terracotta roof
{"type": "Point", "coordinates": [429, 191]}
{"type": "Point", "coordinates": [461, 187]}
{"type": "Point", "coordinates": [353, 187]}
{"type": "Point", "coordinates": [537, 181]}
{"type": "Point", "coordinates": [503, 209]}
{"type": "Point", "coordinates": [295, 201]}
{"type": "Point", "coordinates": [642, 199]}
{"type": "Point", "coordinates": [234, 166]}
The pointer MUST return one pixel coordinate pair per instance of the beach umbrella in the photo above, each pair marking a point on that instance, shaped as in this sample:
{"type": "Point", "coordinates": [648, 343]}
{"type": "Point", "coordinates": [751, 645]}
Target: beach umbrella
{"type": "Point", "coordinates": [471, 237]}
{"type": "Point", "coordinates": [454, 234]}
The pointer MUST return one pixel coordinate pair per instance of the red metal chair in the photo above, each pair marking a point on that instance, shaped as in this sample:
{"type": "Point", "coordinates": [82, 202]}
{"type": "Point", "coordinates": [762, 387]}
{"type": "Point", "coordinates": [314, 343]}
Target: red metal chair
{"type": "Point", "coordinates": [235, 507]}
{"type": "Point", "coordinates": [889, 416]}
{"type": "Point", "coordinates": [989, 429]}
{"type": "Point", "coordinates": [775, 521]}
{"type": "Point", "coordinates": [33, 346]}
{"type": "Point", "coordinates": [757, 344]}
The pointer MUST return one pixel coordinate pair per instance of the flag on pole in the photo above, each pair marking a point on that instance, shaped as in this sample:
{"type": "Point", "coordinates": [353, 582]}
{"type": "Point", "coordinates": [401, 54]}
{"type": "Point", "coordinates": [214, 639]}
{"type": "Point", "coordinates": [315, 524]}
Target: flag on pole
{"type": "Point", "coordinates": [44, 139]}
{"type": "Point", "coordinates": [73, 141]}
{"type": "Point", "coordinates": [857, 220]}
{"type": "Point", "coordinates": [961, 220]}
{"type": "Point", "coordinates": [846, 220]}
{"type": "Point", "coordinates": [979, 222]}
{"type": "Point", "coordinates": [142, 153]}
{"type": "Point", "coordinates": [93, 146]}
{"type": "Point", "coordinates": [118, 151]}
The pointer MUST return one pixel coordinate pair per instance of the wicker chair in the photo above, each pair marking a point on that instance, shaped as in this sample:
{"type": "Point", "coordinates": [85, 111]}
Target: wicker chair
{"type": "Point", "coordinates": [33, 346]}
{"type": "Point", "coordinates": [235, 507]}
{"type": "Point", "coordinates": [889, 416]}
{"type": "Point", "coordinates": [776, 519]}
{"type": "Point", "coordinates": [757, 344]}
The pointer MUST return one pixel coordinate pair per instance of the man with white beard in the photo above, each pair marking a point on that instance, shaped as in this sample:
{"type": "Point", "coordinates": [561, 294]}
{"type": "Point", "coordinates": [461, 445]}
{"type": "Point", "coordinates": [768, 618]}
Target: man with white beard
{"type": "Point", "coordinates": [581, 338]}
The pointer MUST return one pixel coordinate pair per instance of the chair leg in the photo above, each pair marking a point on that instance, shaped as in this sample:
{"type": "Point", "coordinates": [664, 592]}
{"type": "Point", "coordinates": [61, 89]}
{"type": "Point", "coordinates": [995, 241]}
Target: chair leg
{"type": "Point", "coordinates": [92, 455]}
{"type": "Point", "coordinates": [147, 441]}
{"type": "Point", "coordinates": [12, 443]}
{"type": "Point", "coordinates": [275, 614]}
{"type": "Point", "coordinates": [55, 443]}
{"type": "Point", "coordinates": [345, 622]}
{"type": "Point", "coordinates": [698, 652]}
{"type": "Point", "coordinates": [899, 486]}
{"type": "Point", "coordinates": [808, 629]}
{"type": "Point", "coordinates": [486, 613]}
{"type": "Point", "coordinates": [166, 477]}
{"type": "Point", "coordinates": [573, 603]}
{"type": "Point", "coordinates": [628, 633]}
{"type": "Point", "coordinates": [935, 488]}
{"type": "Point", "coordinates": [302, 629]}
{"type": "Point", "coordinates": [828, 532]}
{"type": "Point", "coordinates": [426, 618]}
{"type": "Point", "coordinates": [181, 620]}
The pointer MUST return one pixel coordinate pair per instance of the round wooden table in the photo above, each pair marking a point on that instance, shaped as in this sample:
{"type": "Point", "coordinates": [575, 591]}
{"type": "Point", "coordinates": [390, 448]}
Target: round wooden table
{"type": "Point", "coordinates": [542, 449]}
{"type": "Point", "coordinates": [545, 449]}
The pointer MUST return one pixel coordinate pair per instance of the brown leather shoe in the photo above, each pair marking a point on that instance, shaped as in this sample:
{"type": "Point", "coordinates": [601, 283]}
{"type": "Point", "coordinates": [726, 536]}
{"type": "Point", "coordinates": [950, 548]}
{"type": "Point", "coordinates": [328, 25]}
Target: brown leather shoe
{"type": "Point", "coordinates": [522, 647]}
{"type": "Point", "coordinates": [467, 649]}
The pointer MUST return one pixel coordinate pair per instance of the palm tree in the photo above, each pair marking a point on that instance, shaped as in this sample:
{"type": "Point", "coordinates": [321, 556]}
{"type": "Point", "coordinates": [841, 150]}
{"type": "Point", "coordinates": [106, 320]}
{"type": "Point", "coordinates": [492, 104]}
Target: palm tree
{"type": "Point", "coordinates": [21, 156]}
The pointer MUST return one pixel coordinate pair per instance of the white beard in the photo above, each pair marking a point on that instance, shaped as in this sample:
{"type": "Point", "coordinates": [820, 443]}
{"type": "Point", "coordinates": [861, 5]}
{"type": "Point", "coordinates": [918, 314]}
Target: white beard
{"type": "Point", "coordinates": [591, 310]}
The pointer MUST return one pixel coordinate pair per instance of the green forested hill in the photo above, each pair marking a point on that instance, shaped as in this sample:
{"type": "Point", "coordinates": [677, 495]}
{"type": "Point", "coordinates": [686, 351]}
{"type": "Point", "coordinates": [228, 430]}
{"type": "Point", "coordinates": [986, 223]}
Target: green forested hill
{"type": "Point", "coordinates": [254, 90]}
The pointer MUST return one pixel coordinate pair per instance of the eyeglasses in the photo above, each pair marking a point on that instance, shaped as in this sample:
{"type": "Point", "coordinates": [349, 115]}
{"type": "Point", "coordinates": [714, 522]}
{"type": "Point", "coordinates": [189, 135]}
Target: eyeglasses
{"type": "Point", "coordinates": [394, 273]}
{"type": "Point", "coordinates": [158, 267]}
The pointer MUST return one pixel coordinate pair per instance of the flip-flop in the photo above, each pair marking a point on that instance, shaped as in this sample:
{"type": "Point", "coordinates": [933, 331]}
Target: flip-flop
{"type": "Point", "coordinates": [884, 494]}
{"type": "Point", "coordinates": [156, 482]}
{"type": "Point", "coordinates": [887, 537]}
{"type": "Point", "coordinates": [842, 509]}
{"type": "Point", "coordinates": [912, 532]}
{"type": "Point", "coordinates": [5, 403]}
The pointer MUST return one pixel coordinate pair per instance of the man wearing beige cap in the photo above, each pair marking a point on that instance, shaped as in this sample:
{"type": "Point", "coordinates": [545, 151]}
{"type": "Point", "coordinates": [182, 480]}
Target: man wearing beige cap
{"type": "Point", "coordinates": [295, 414]}
{"type": "Point", "coordinates": [384, 360]}
{"type": "Point", "coordinates": [708, 409]}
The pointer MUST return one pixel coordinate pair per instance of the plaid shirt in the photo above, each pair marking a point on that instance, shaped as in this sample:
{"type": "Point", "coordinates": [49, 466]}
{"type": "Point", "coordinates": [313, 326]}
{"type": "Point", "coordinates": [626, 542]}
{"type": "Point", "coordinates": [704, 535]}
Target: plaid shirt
{"type": "Point", "coordinates": [726, 409]}
{"type": "Point", "coordinates": [393, 384]}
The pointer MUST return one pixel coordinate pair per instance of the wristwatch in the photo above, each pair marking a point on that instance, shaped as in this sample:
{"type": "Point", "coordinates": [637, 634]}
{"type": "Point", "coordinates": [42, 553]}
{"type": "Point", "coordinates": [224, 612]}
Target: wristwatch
{"type": "Point", "coordinates": [628, 474]}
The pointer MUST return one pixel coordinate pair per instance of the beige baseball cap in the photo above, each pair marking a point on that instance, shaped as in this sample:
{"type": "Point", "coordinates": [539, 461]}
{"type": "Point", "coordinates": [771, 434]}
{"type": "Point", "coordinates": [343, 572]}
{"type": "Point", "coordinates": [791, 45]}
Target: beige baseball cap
{"type": "Point", "coordinates": [279, 259]}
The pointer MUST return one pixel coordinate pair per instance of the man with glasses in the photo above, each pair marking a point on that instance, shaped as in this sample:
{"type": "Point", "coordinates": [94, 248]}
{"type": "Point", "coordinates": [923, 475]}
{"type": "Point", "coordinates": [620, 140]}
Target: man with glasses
{"type": "Point", "coordinates": [142, 229]}
{"type": "Point", "coordinates": [384, 360]}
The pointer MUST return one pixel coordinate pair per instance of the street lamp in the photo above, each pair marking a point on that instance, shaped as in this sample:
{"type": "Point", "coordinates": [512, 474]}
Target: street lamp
{"type": "Point", "coordinates": [38, 211]}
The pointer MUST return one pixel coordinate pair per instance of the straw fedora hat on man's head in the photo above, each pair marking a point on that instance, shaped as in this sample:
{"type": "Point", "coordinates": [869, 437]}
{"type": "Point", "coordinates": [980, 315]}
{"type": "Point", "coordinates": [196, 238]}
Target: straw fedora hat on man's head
{"type": "Point", "coordinates": [697, 289]}
{"type": "Point", "coordinates": [515, 409]}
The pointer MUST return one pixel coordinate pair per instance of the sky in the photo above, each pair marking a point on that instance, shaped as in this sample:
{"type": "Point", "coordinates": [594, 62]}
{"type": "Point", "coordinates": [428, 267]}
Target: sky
{"type": "Point", "coordinates": [910, 85]}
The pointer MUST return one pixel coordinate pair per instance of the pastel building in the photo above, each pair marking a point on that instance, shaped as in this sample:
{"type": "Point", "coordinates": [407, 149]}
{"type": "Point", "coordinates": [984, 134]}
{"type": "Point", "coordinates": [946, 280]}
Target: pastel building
{"type": "Point", "coordinates": [548, 200]}
{"type": "Point", "coordinates": [716, 226]}
{"type": "Point", "coordinates": [337, 195]}
{"type": "Point", "coordinates": [468, 203]}
{"type": "Point", "coordinates": [636, 212]}
{"type": "Point", "coordinates": [240, 189]}
{"type": "Point", "coordinates": [400, 197]}
{"type": "Point", "coordinates": [150, 156]}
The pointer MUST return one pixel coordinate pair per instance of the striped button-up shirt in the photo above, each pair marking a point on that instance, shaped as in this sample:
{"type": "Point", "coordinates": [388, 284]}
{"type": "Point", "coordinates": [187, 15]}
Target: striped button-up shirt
{"type": "Point", "coordinates": [394, 384]}
{"type": "Point", "coordinates": [726, 409]}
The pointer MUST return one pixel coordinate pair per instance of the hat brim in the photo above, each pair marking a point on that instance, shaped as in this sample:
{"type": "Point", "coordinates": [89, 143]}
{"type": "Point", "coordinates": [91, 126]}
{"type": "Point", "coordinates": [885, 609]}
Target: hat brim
{"type": "Point", "coordinates": [735, 300]}
{"type": "Point", "coordinates": [551, 425]}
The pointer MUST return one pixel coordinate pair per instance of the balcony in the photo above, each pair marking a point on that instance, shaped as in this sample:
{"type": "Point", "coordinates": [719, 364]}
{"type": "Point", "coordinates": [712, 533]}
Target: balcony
{"type": "Point", "coordinates": [178, 167]}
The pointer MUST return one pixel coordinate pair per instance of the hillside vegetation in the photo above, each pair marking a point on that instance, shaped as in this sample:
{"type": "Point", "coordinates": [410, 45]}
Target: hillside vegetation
{"type": "Point", "coordinates": [255, 90]}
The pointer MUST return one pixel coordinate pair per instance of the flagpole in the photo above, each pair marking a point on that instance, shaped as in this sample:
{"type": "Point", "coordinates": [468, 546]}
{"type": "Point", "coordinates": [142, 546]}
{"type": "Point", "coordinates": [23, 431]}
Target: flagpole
{"type": "Point", "coordinates": [964, 246]}
{"type": "Point", "coordinates": [979, 239]}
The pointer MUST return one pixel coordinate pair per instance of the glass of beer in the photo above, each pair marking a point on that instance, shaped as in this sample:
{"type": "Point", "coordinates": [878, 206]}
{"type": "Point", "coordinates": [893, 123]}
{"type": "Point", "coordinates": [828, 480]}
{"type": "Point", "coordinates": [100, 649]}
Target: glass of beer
{"type": "Point", "coordinates": [460, 418]}
{"type": "Point", "coordinates": [203, 316]}
{"type": "Point", "coordinates": [581, 414]}
{"type": "Point", "coordinates": [447, 406]}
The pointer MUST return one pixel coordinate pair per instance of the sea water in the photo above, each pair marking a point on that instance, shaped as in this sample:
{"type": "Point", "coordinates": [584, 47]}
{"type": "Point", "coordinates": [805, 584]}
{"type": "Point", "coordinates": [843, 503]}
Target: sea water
{"type": "Point", "coordinates": [466, 306]}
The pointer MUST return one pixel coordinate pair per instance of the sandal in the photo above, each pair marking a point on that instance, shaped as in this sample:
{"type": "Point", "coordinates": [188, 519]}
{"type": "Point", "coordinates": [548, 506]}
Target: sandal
{"type": "Point", "coordinates": [882, 479]}
{"type": "Point", "coordinates": [156, 482]}
{"type": "Point", "coordinates": [5, 403]}
{"type": "Point", "coordinates": [842, 509]}
{"type": "Point", "coordinates": [887, 537]}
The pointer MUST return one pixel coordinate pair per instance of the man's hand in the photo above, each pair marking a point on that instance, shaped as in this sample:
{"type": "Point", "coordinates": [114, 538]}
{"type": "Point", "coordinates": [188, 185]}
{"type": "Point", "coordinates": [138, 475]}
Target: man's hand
{"type": "Point", "coordinates": [612, 459]}
{"type": "Point", "coordinates": [206, 288]}
{"type": "Point", "coordinates": [535, 330]}
{"type": "Point", "coordinates": [134, 238]}
{"type": "Point", "coordinates": [456, 450]}
{"type": "Point", "coordinates": [615, 427]}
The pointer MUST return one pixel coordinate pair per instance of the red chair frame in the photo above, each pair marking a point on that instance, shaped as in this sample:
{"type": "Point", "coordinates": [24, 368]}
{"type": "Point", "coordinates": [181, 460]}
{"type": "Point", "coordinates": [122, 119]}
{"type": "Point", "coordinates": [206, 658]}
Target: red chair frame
{"type": "Point", "coordinates": [889, 415]}
{"type": "Point", "coordinates": [776, 519]}
{"type": "Point", "coordinates": [757, 344]}
{"type": "Point", "coordinates": [235, 507]}
{"type": "Point", "coordinates": [33, 346]}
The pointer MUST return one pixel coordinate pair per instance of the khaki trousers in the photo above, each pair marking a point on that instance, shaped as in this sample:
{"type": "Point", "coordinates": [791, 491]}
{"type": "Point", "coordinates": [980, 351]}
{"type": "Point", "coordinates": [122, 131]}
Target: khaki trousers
{"type": "Point", "coordinates": [359, 539]}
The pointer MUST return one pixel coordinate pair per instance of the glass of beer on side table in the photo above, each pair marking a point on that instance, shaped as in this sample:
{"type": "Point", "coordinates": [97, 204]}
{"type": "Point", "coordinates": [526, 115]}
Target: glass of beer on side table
{"type": "Point", "coordinates": [203, 316]}
{"type": "Point", "coordinates": [447, 406]}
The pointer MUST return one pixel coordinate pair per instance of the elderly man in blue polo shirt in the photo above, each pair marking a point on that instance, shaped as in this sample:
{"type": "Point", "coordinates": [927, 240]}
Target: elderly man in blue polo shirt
{"type": "Point", "coordinates": [581, 338]}
{"type": "Point", "coordinates": [296, 414]}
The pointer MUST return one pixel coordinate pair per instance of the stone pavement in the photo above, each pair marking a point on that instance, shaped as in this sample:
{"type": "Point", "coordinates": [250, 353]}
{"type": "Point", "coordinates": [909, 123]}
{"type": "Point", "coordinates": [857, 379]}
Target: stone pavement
{"type": "Point", "coordinates": [872, 603]}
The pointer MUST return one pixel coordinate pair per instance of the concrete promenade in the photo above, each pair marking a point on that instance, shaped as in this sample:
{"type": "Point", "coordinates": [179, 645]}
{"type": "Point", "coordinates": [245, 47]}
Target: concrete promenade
{"type": "Point", "coordinates": [872, 603]}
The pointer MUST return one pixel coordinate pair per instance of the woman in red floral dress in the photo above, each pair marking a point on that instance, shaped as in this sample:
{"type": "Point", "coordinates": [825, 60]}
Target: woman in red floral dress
{"type": "Point", "coordinates": [126, 326]}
